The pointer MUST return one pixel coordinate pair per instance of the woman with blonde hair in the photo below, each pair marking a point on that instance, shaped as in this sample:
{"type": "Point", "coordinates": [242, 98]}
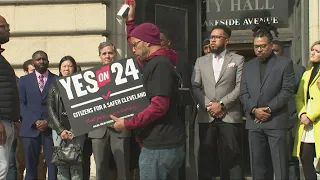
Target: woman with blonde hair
{"type": "Point", "coordinates": [307, 142]}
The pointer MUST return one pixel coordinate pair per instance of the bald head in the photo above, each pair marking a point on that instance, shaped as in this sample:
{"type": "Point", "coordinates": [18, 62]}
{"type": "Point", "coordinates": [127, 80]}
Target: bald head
{"type": "Point", "coordinates": [4, 30]}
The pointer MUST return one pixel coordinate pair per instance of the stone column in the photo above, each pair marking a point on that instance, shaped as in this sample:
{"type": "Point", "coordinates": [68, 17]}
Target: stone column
{"type": "Point", "coordinates": [314, 21]}
{"type": "Point", "coordinates": [116, 28]}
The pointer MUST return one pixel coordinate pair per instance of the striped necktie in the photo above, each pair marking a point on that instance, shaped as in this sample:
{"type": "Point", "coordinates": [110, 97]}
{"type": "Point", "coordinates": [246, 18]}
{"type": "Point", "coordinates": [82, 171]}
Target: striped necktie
{"type": "Point", "coordinates": [41, 82]}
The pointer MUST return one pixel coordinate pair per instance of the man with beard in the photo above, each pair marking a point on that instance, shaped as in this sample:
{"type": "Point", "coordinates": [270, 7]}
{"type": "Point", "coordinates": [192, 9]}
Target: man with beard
{"type": "Point", "coordinates": [158, 127]}
{"type": "Point", "coordinates": [216, 88]}
{"type": "Point", "coordinates": [267, 85]}
{"type": "Point", "coordinates": [17, 156]}
{"type": "Point", "coordinates": [33, 89]}
{"type": "Point", "coordinates": [9, 102]}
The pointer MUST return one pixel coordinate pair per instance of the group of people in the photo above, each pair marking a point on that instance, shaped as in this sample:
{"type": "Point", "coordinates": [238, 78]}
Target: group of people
{"type": "Point", "coordinates": [34, 103]}
{"type": "Point", "coordinates": [280, 104]}
{"type": "Point", "coordinates": [279, 100]}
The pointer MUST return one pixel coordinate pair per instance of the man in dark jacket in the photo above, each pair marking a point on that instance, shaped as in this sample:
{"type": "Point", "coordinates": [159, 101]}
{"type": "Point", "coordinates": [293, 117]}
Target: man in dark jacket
{"type": "Point", "coordinates": [267, 84]}
{"type": "Point", "coordinates": [33, 90]}
{"type": "Point", "coordinates": [293, 163]}
{"type": "Point", "coordinates": [9, 102]}
{"type": "Point", "coordinates": [159, 130]}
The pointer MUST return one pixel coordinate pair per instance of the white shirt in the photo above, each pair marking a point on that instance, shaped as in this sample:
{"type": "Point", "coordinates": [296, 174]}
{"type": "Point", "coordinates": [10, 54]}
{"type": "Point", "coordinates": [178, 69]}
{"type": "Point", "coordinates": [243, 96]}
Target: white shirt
{"type": "Point", "coordinates": [308, 133]}
{"type": "Point", "coordinates": [217, 62]}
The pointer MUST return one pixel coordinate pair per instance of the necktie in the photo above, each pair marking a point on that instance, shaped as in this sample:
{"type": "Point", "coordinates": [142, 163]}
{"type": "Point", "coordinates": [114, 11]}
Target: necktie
{"type": "Point", "coordinates": [41, 82]}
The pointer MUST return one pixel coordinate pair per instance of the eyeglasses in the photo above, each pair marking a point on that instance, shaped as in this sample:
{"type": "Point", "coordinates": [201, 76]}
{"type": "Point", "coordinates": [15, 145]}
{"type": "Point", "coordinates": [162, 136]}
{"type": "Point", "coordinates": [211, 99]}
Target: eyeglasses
{"type": "Point", "coordinates": [216, 37]}
{"type": "Point", "coordinates": [5, 26]}
{"type": "Point", "coordinates": [135, 44]}
{"type": "Point", "coordinates": [262, 46]}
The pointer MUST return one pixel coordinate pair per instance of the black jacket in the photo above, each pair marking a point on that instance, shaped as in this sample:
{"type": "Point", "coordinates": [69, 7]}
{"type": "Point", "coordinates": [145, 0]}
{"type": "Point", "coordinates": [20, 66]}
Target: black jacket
{"type": "Point", "coordinates": [9, 95]}
{"type": "Point", "coordinates": [274, 91]}
{"type": "Point", "coordinates": [56, 110]}
{"type": "Point", "coordinates": [292, 109]}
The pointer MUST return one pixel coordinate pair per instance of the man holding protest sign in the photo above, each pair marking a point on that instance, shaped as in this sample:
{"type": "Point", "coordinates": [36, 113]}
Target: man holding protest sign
{"type": "Point", "coordinates": [104, 139]}
{"type": "Point", "coordinates": [158, 128]}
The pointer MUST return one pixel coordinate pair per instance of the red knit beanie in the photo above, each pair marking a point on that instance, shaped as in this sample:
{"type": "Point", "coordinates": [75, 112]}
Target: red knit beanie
{"type": "Point", "coordinates": [147, 32]}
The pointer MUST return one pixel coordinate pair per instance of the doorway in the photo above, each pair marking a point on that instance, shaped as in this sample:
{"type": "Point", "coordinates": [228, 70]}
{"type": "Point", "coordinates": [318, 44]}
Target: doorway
{"type": "Point", "coordinates": [178, 18]}
{"type": "Point", "coordinates": [244, 49]}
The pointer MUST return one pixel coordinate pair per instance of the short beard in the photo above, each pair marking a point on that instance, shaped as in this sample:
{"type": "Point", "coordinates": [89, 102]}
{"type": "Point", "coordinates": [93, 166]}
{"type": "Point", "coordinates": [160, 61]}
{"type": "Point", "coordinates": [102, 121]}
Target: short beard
{"type": "Point", "coordinates": [145, 55]}
{"type": "Point", "coordinates": [41, 70]}
{"type": "Point", "coordinates": [218, 50]}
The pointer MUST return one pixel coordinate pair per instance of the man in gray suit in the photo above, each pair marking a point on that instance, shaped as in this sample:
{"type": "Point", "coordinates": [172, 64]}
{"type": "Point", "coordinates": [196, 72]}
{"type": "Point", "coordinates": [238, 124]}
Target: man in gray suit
{"type": "Point", "coordinates": [293, 163]}
{"type": "Point", "coordinates": [105, 139]}
{"type": "Point", "coordinates": [216, 88]}
{"type": "Point", "coordinates": [266, 87]}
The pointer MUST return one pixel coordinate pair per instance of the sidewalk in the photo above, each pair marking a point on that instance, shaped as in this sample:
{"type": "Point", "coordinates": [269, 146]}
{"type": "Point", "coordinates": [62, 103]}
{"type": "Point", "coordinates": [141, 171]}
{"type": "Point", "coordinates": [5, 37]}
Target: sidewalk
{"type": "Point", "coordinates": [93, 172]}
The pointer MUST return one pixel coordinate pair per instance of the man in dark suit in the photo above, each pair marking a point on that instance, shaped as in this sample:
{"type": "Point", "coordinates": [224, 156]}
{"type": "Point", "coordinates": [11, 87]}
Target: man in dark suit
{"type": "Point", "coordinates": [293, 163]}
{"type": "Point", "coordinates": [34, 131]}
{"type": "Point", "coordinates": [266, 87]}
{"type": "Point", "coordinates": [107, 142]}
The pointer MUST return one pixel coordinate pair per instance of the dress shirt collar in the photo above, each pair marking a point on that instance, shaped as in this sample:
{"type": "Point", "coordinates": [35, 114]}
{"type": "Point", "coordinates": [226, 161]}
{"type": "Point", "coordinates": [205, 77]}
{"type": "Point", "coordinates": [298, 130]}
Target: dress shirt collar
{"type": "Point", "coordinates": [221, 55]}
{"type": "Point", "coordinates": [46, 74]}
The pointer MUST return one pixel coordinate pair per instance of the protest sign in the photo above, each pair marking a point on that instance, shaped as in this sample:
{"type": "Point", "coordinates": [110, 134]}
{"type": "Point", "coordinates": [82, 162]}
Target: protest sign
{"type": "Point", "coordinates": [91, 96]}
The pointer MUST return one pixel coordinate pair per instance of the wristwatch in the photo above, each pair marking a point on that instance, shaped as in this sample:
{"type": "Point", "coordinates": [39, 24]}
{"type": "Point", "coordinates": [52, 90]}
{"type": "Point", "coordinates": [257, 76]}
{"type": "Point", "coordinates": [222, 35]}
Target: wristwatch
{"type": "Point", "coordinates": [269, 109]}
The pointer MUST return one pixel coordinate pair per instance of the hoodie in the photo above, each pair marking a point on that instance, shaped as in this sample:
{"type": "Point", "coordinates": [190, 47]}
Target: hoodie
{"type": "Point", "coordinates": [172, 55]}
{"type": "Point", "coordinates": [159, 104]}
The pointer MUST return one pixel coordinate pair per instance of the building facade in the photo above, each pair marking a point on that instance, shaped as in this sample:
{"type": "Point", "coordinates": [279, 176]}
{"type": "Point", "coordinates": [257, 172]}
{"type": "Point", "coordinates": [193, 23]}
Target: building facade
{"type": "Point", "coordinates": [76, 27]}
{"type": "Point", "coordinates": [70, 27]}
{"type": "Point", "coordinates": [59, 28]}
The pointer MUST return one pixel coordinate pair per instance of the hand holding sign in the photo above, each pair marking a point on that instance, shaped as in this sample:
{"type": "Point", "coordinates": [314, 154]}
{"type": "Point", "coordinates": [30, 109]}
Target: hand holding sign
{"type": "Point", "coordinates": [66, 135]}
{"type": "Point", "coordinates": [91, 96]}
{"type": "Point", "coordinates": [118, 123]}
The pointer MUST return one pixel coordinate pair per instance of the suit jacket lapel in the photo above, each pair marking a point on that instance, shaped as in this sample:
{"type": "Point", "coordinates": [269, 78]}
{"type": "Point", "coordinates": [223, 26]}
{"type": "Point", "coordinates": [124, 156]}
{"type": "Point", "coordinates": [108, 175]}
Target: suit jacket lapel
{"type": "Point", "coordinates": [315, 78]}
{"type": "Point", "coordinates": [209, 68]}
{"type": "Point", "coordinates": [256, 73]}
{"type": "Point", "coordinates": [227, 60]}
{"type": "Point", "coordinates": [270, 65]}
{"type": "Point", "coordinates": [34, 82]}
{"type": "Point", "coordinates": [47, 85]}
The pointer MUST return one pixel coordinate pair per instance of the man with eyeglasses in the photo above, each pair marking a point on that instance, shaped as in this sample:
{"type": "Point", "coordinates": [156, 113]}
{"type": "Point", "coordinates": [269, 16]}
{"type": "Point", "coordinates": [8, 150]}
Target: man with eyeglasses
{"type": "Point", "coordinates": [267, 85]}
{"type": "Point", "coordinates": [9, 102]}
{"type": "Point", "coordinates": [158, 128]}
{"type": "Point", "coordinates": [216, 88]}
